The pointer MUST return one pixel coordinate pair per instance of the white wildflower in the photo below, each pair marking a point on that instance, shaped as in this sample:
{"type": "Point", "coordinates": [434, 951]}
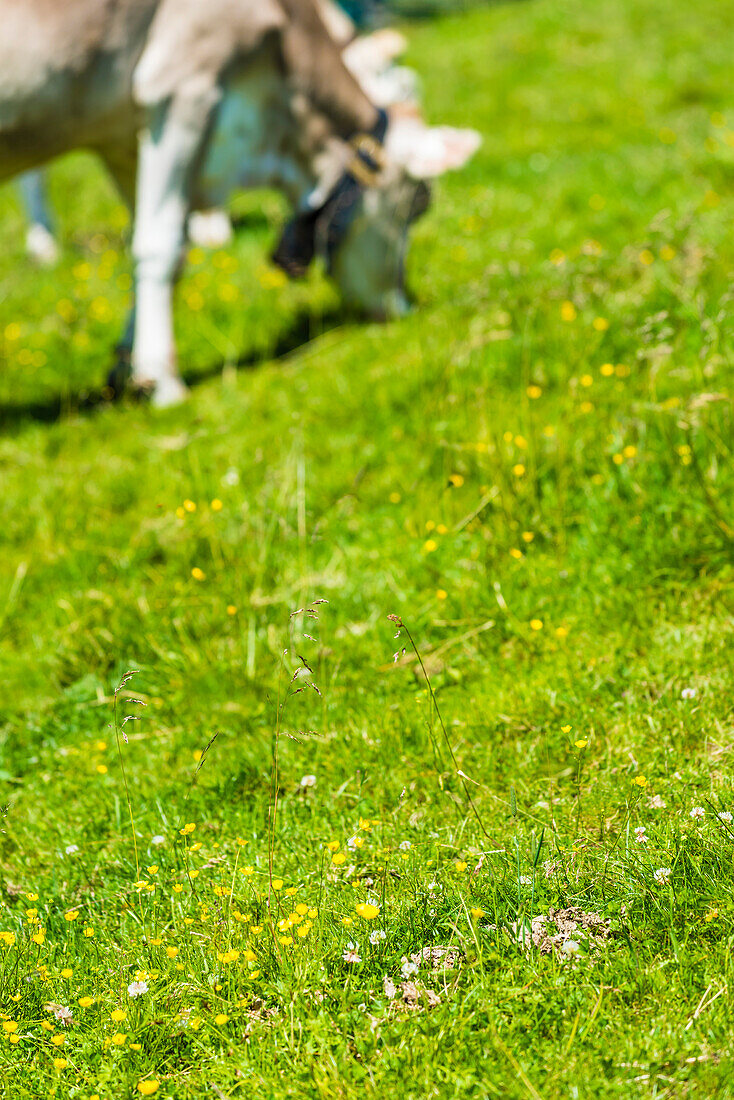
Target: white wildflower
{"type": "Point", "coordinates": [656, 802]}
{"type": "Point", "coordinates": [405, 845]}
{"type": "Point", "coordinates": [662, 875]}
{"type": "Point", "coordinates": [688, 693]}
{"type": "Point", "coordinates": [376, 936]}
{"type": "Point", "coordinates": [641, 835]}
{"type": "Point", "coordinates": [158, 840]}
{"type": "Point", "coordinates": [698, 813]}
{"type": "Point", "coordinates": [136, 989]}
{"type": "Point", "coordinates": [308, 781]}
{"type": "Point", "coordinates": [526, 880]}
{"type": "Point", "coordinates": [408, 969]}
{"type": "Point", "coordinates": [231, 477]}
{"type": "Point", "coordinates": [570, 947]}
{"type": "Point", "coordinates": [725, 816]}
{"type": "Point", "coordinates": [61, 1013]}
{"type": "Point", "coordinates": [71, 848]}
{"type": "Point", "coordinates": [389, 987]}
{"type": "Point", "coordinates": [351, 955]}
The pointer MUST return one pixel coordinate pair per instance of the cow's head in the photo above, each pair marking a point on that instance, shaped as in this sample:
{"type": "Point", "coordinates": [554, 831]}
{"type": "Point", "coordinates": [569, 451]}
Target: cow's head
{"type": "Point", "coordinates": [361, 227]}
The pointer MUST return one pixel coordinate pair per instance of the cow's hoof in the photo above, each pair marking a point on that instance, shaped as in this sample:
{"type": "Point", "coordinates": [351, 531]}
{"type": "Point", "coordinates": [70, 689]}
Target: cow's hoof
{"type": "Point", "coordinates": [210, 228]}
{"type": "Point", "coordinates": [168, 392]}
{"type": "Point", "coordinates": [119, 377]}
{"type": "Point", "coordinates": [41, 245]}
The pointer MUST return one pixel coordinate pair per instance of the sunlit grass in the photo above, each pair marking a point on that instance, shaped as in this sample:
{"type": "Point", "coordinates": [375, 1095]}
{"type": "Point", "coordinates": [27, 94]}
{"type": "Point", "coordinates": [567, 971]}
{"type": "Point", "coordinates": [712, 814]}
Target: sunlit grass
{"type": "Point", "coordinates": [534, 473]}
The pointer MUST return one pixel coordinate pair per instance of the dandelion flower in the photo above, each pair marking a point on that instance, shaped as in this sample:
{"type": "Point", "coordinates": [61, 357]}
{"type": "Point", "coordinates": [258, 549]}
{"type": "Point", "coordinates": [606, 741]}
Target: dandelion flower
{"type": "Point", "coordinates": [476, 913]}
{"type": "Point", "coordinates": [149, 1087]}
{"type": "Point", "coordinates": [581, 743]}
{"type": "Point", "coordinates": [536, 624]}
{"type": "Point", "coordinates": [198, 574]}
{"type": "Point", "coordinates": [367, 910]}
{"type": "Point", "coordinates": [640, 781]}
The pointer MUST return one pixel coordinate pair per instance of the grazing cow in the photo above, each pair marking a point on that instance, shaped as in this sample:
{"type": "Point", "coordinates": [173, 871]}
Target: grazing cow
{"type": "Point", "coordinates": [184, 101]}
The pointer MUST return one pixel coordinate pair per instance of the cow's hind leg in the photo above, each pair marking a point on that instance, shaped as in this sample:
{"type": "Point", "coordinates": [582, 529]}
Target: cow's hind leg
{"type": "Point", "coordinates": [168, 155]}
{"type": "Point", "coordinates": [119, 377]}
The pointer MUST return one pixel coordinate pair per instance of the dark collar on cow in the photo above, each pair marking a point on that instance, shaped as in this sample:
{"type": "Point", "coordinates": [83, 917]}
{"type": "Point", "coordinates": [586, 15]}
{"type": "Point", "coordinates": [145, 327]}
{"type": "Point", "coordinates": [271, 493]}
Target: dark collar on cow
{"type": "Point", "coordinates": [325, 227]}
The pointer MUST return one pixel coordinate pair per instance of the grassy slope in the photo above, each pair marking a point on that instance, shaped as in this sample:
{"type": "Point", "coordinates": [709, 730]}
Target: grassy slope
{"type": "Point", "coordinates": [602, 138]}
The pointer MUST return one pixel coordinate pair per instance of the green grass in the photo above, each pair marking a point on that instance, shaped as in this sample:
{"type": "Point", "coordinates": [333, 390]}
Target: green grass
{"type": "Point", "coordinates": [478, 469]}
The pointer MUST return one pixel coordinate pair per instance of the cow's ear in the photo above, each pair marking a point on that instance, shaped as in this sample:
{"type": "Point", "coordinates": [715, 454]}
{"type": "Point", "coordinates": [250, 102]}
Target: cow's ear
{"type": "Point", "coordinates": [429, 151]}
{"type": "Point", "coordinates": [191, 44]}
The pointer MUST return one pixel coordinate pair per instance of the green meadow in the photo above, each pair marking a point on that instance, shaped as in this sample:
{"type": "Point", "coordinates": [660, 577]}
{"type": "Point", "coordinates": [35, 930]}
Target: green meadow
{"type": "Point", "coordinates": [483, 848]}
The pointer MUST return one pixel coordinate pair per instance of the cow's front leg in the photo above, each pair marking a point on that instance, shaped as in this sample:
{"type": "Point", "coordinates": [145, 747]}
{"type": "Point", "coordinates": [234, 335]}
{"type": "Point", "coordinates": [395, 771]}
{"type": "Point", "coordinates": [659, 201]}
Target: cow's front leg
{"type": "Point", "coordinates": [167, 159]}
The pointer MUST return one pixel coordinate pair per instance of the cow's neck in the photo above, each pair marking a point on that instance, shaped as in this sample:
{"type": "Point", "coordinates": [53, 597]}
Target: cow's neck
{"type": "Point", "coordinates": [258, 141]}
